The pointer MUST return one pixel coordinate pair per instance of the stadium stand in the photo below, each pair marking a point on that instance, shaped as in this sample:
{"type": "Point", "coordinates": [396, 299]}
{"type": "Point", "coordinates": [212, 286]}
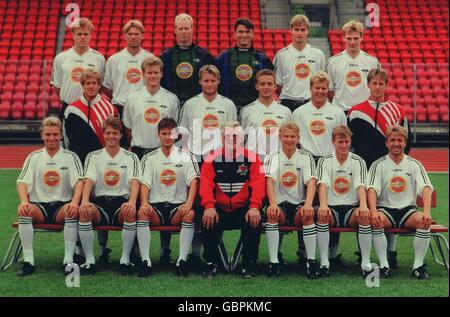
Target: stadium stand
{"type": "Point", "coordinates": [411, 32]}
{"type": "Point", "coordinates": [27, 46]}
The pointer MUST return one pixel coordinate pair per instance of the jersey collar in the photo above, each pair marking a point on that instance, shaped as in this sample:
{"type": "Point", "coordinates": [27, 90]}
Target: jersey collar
{"type": "Point", "coordinates": [93, 102]}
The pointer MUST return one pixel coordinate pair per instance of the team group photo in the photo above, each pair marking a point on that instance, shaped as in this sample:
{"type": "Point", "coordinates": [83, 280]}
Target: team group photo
{"type": "Point", "coordinates": [271, 155]}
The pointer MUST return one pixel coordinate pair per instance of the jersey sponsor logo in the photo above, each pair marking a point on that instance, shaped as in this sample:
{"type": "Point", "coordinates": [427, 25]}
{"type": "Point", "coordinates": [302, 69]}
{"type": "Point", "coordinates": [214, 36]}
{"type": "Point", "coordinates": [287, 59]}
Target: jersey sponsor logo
{"type": "Point", "coordinates": [289, 179]}
{"type": "Point", "coordinates": [270, 126]}
{"type": "Point", "coordinates": [134, 75]}
{"type": "Point", "coordinates": [242, 170]}
{"type": "Point", "coordinates": [75, 74]}
{"type": "Point", "coordinates": [52, 178]}
{"type": "Point", "coordinates": [341, 185]}
{"type": "Point", "coordinates": [353, 78]}
{"type": "Point", "coordinates": [302, 71]}
{"type": "Point", "coordinates": [111, 178]}
{"type": "Point", "coordinates": [168, 177]}
{"type": "Point", "coordinates": [397, 184]}
{"type": "Point", "coordinates": [184, 70]}
{"type": "Point", "coordinates": [317, 127]}
{"type": "Point", "coordinates": [244, 72]}
{"type": "Point", "coordinates": [210, 121]}
{"type": "Point", "coordinates": [152, 115]}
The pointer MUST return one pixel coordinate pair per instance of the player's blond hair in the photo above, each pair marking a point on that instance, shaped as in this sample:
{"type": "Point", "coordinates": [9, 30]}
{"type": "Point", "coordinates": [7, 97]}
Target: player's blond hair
{"type": "Point", "coordinates": [90, 73]}
{"type": "Point", "coordinates": [184, 17]}
{"type": "Point", "coordinates": [353, 26]}
{"type": "Point", "coordinates": [378, 72]}
{"type": "Point", "coordinates": [152, 61]}
{"type": "Point", "coordinates": [230, 125]}
{"type": "Point", "coordinates": [266, 72]}
{"type": "Point", "coordinates": [320, 77]}
{"type": "Point", "coordinates": [290, 125]}
{"type": "Point", "coordinates": [396, 128]}
{"type": "Point", "coordinates": [341, 131]}
{"type": "Point", "coordinates": [133, 24]}
{"type": "Point", "coordinates": [82, 23]}
{"type": "Point", "coordinates": [299, 19]}
{"type": "Point", "coordinates": [210, 69]}
{"type": "Point", "coordinates": [51, 122]}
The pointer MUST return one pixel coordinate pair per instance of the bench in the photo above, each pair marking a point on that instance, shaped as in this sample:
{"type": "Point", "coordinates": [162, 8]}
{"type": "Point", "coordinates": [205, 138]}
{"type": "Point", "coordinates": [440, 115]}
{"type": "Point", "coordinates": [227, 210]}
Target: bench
{"type": "Point", "coordinates": [437, 231]}
{"type": "Point", "coordinates": [14, 250]}
{"type": "Point", "coordinates": [230, 263]}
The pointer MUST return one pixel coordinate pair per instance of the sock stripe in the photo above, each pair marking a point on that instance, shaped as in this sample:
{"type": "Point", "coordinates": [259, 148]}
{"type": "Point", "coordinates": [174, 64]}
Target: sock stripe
{"type": "Point", "coordinates": [423, 235]}
{"type": "Point", "coordinates": [25, 220]}
{"type": "Point", "coordinates": [377, 232]}
{"type": "Point", "coordinates": [187, 225]}
{"type": "Point", "coordinates": [143, 224]}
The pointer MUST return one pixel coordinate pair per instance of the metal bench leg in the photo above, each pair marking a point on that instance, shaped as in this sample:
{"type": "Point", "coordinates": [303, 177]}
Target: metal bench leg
{"type": "Point", "coordinates": [223, 255]}
{"type": "Point", "coordinates": [13, 252]}
{"type": "Point", "coordinates": [436, 259]}
{"type": "Point", "coordinates": [236, 255]}
{"type": "Point", "coordinates": [437, 238]}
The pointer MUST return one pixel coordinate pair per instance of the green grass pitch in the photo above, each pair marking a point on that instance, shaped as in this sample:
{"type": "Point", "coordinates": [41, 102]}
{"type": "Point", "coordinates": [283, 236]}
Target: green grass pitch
{"type": "Point", "coordinates": [49, 280]}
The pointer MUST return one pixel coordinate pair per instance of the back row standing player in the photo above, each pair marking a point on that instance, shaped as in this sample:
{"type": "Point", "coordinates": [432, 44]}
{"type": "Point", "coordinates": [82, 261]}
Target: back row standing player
{"type": "Point", "coordinates": [349, 69]}
{"type": "Point", "coordinates": [238, 66]}
{"type": "Point", "coordinates": [70, 64]}
{"type": "Point", "coordinates": [296, 64]}
{"type": "Point", "coordinates": [123, 73]}
{"type": "Point", "coordinates": [183, 61]}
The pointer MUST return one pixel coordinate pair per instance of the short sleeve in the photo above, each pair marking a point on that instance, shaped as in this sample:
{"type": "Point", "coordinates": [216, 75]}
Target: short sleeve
{"type": "Point", "coordinates": [26, 175]}
{"type": "Point", "coordinates": [76, 172]}
{"type": "Point", "coordinates": [90, 169]}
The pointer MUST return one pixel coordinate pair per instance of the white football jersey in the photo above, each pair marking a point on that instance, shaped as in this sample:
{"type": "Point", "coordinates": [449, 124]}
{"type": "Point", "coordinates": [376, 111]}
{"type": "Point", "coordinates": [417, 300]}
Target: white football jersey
{"type": "Point", "coordinates": [112, 176]}
{"type": "Point", "coordinates": [294, 69]}
{"type": "Point", "coordinates": [316, 126]}
{"type": "Point", "coordinates": [397, 185]}
{"type": "Point", "coordinates": [142, 113]}
{"type": "Point", "coordinates": [261, 123]}
{"type": "Point", "coordinates": [349, 78]}
{"type": "Point", "coordinates": [290, 175]}
{"type": "Point", "coordinates": [123, 74]}
{"type": "Point", "coordinates": [67, 69]}
{"type": "Point", "coordinates": [204, 119]}
{"type": "Point", "coordinates": [169, 178]}
{"type": "Point", "coordinates": [342, 181]}
{"type": "Point", "coordinates": [51, 179]}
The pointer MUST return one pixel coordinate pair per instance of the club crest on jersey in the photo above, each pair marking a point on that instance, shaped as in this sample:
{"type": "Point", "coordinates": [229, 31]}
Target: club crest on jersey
{"type": "Point", "coordinates": [302, 71]}
{"type": "Point", "coordinates": [134, 75]}
{"type": "Point", "coordinates": [242, 170]}
{"type": "Point", "coordinates": [397, 184]}
{"type": "Point", "coordinates": [52, 178]}
{"type": "Point", "coordinates": [317, 127]}
{"type": "Point", "coordinates": [244, 72]}
{"type": "Point", "coordinates": [168, 177]}
{"type": "Point", "coordinates": [270, 126]}
{"type": "Point", "coordinates": [341, 185]}
{"type": "Point", "coordinates": [111, 178]}
{"type": "Point", "coordinates": [184, 70]}
{"type": "Point", "coordinates": [75, 74]}
{"type": "Point", "coordinates": [152, 116]}
{"type": "Point", "coordinates": [353, 78]}
{"type": "Point", "coordinates": [289, 179]}
{"type": "Point", "coordinates": [210, 121]}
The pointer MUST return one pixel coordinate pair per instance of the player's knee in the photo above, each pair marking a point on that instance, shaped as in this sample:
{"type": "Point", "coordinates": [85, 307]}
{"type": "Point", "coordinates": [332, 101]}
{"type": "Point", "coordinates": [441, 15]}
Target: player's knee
{"type": "Point", "coordinates": [189, 216]}
{"type": "Point", "coordinates": [273, 219]}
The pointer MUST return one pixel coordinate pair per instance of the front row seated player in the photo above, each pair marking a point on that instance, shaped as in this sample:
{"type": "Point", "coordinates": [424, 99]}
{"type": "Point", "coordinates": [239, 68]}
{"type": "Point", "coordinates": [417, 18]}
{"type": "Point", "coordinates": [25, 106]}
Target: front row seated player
{"type": "Point", "coordinates": [341, 178]}
{"type": "Point", "coordinates": [49, 189]}
{"type": "Point", "coordinates": [169, 185]}
{"type": "Point", "coordinates": [290, 187]}
{"type": "Point", "coordinates": [232, 189]}
{"type": "Point", "coordinates": [112, 178]}
{"type": "Point", "coordinates": [395, 181]}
